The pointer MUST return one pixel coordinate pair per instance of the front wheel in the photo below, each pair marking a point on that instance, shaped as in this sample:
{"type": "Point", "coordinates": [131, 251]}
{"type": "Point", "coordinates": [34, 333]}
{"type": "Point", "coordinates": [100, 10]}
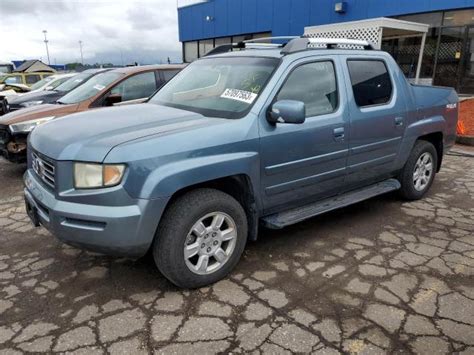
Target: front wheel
{"type": "Point", "coordinates": [200, 238]}
{"type": "Point", "coordinates": [419, 171]}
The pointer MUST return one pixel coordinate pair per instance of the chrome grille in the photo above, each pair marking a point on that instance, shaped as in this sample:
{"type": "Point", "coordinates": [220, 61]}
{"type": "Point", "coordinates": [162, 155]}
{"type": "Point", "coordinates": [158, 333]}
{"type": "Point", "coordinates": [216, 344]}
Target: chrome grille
{"type": "Point", "coordinates": [44, 169]}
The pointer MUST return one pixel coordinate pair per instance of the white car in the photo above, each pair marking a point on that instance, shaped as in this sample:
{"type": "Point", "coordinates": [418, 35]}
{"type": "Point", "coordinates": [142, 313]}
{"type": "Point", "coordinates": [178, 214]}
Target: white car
{"type": "Point", "coordinates": [51, 82]}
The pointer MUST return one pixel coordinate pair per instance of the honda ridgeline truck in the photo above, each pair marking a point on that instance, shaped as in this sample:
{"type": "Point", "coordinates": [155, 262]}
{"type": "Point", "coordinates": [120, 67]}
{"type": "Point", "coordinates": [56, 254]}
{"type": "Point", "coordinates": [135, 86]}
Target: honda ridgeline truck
{"type": "Point", "coordinates": [270, 135]}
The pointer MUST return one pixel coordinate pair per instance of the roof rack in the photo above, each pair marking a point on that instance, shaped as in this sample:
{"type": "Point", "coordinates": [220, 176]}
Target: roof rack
{"type": "Point", "coordinates": [251, 44]}
{"type": "Point", "coordinates": [302, 43]}
{"type": "Point", "coordinates": [294, 44]}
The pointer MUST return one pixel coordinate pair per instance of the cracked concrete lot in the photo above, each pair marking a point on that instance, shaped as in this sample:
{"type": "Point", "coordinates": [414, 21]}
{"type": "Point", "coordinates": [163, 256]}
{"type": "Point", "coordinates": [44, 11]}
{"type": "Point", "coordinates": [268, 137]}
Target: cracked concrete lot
{"type": "Point", "coordinates": [382, 276]}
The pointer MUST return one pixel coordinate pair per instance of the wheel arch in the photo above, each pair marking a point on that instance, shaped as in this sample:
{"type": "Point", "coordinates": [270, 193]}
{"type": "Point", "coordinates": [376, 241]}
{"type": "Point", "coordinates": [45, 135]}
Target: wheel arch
{"type": "Point", "coordinates": [240, 187]}
{"type": "Point", "coordinates": [429, 129]}
{"type": "Point", "coordinates": [435, 138]}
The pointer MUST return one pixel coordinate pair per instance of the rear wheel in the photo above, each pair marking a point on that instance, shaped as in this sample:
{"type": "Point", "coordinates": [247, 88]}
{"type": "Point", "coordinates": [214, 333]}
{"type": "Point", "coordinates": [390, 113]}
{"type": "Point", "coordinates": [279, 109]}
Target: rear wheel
{"type": "Point", "coordinates": [419, 171]}
{"type": "Point", "coordinates": [200, 238]}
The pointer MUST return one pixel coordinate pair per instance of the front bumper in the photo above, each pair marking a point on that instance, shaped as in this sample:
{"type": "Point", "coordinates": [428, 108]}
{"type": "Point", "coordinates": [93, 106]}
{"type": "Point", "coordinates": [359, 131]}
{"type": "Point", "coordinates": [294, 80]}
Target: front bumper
{"type": "Point", "coordinates": [126, 230]}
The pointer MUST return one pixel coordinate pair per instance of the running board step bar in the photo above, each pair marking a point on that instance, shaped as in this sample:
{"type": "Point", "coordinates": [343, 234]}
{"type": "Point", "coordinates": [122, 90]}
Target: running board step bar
{"type": "Point", "coordinates": [283, 219]}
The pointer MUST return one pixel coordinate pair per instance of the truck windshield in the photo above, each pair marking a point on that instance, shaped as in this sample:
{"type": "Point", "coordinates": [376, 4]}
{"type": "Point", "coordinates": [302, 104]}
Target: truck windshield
{"type": "Point", "coordinates": [218, 87]}
{"type": "Point", "coordinates": [90, 88]}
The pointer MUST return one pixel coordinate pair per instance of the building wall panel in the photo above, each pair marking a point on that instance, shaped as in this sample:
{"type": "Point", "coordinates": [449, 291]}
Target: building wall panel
{"type": "Point", "coordinates": [289, 17]}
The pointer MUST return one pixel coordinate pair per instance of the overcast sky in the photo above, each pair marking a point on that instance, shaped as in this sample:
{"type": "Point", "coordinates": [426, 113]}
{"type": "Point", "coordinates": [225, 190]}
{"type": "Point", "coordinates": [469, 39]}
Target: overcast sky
{"type": "Point", "coordinates": [145, 31]}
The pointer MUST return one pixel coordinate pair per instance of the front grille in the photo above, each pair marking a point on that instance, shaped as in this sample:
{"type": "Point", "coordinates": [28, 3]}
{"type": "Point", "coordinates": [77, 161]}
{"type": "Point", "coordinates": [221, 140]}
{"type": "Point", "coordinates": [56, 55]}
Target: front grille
{"type": "Point", "coordinates": [44, 169]}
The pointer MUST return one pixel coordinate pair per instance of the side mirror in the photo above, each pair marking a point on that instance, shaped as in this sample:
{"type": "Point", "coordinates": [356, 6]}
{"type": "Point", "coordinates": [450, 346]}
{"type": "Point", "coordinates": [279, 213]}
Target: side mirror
{"type": "Point", "coordinates": [49, 88]}
{"type": "Point", "coordinates": [287, 111]}
{"type": "Point", "coordinates": [113, 99]}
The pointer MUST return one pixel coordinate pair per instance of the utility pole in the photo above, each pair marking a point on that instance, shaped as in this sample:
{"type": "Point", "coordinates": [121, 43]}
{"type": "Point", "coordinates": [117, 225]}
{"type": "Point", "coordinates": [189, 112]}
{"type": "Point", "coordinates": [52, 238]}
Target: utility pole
{"type": "Point", "coordinates": [82, 57]}
{"type": "Point", "coordinates": [46, 44]}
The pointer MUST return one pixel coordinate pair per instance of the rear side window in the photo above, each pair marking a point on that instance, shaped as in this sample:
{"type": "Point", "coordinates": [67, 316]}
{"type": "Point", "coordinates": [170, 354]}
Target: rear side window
{"type": "Point", "coordinates": [371, 82]}
{"type": "Point", "coordinates": [14, 79]}
{"type": "Point", "coordinates": [32, 78]}
{"type": "Point", "coordinates": [139, 86]}
{"type": "Point", "coordinates": [168, 74]}
{"type": "Point", "coordinates": [315, 85]}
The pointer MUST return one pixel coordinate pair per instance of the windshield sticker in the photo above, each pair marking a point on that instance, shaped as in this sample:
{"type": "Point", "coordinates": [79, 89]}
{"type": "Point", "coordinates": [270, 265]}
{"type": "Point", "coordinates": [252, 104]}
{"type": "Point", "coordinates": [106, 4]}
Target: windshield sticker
{"type": "Point", "coordinates": [99, 87]}
{"type": "Point", "coordinates": [239, 95]}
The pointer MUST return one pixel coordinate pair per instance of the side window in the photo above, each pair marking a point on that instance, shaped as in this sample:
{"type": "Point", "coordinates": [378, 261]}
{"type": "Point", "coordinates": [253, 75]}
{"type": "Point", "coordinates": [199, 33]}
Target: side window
{"type": "Point", "coordinates": [14, 79]}
{"type": "Point", "coordinates": [136, 87]}
{"type": "Point", "coordinates": [371, 82]}
{"type": "Point", "coordinates": [315, 85]}
{"type": "Point", "coordinates": [32, 78]}
{"type": "Point", "coordinates": [169, 74]}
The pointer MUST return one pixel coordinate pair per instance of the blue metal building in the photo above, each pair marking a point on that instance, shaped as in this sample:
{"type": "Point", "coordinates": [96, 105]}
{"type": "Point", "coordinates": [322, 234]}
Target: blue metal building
{"type": "Point", "coordinates": [204, 24]}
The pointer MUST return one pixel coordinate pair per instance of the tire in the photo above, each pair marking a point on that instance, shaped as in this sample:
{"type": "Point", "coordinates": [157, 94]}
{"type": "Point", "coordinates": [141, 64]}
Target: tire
{"type": "Point", "coordinates": [176, 229]}
{"type": "Point", "coordinates": [410, 190]}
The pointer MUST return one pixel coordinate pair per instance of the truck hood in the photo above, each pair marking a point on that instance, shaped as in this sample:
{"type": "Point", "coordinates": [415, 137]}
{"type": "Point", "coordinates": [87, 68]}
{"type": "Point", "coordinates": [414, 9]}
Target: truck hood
{"type": "Point", "coordinates": [89, 136]}
{"type": "Point", "coordinates": [34, 112]}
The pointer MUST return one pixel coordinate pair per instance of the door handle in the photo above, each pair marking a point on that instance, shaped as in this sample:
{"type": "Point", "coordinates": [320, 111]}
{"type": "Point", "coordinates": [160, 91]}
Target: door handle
{"type": "Point", "coordinates": [398, 121]}
{"type": "Point", "coordinates": [339, 134]}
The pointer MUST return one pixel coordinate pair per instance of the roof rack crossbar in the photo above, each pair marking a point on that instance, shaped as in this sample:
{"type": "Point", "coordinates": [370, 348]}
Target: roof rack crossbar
{"type": "Point", "coordinates": [302, 43]}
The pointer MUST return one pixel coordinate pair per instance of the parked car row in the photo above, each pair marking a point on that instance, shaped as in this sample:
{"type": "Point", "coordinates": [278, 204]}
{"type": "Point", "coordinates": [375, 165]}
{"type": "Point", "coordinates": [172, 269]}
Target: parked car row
{"type": "Point", "coordinates": [46, 84]}
{"type": "Point", "coordinates": [91, 89]}
{"type": "Point", "coordinates": [24, 78]}
{"type": "Point", "coordinates": [52, 94]}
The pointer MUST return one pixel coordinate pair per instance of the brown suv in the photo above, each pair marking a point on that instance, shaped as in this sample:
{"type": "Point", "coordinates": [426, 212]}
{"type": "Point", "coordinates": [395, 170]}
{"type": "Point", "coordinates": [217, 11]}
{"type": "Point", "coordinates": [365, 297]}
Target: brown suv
{"type": "Point", "coordinates": [121, 86]}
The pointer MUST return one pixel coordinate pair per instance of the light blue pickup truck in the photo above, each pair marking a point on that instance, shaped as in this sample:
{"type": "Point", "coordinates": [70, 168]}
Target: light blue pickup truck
{"type": "Point", "coordinates": [269, 135]}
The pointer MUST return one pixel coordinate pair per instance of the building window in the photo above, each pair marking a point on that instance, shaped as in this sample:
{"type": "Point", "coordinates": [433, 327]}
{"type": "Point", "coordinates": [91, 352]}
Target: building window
{"type": "Point", "coordinates": [223, 40]}
{"type": "Point", "coordinates": [197, 49]}
{"type": "Point", "coordinates": [458, 18]}
{"type": "Point", "coordinates": [205, 46]}
{"type": "Point", "coordinates": [371, 82]}
{"type": "Point", "coordinates": [406, 50]}
{"type": "Point", "coordinates": [237, 39]}
{"type": "Point", "coordinates": [434, 19]}
{"type": "Point", "coordinates": [451, 45]}
{"type": "Point", "coordinates": [262, 36]}
{"type": "Point", "coordinates": [190, 51]}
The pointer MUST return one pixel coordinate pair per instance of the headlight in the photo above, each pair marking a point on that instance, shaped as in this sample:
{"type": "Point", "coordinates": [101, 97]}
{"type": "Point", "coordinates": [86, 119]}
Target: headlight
{"type": "Point", "coordinates": [28, 126]}
{"type": "Point", "coordinates": [32, 103]}
{"type": "Point", "coordinates": [88, 176]}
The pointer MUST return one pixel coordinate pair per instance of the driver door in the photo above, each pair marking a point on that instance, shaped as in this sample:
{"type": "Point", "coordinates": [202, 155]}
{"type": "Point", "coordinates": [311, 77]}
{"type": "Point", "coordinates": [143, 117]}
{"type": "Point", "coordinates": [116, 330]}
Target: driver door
{"type": "Point", "coordinates": [301, 163]}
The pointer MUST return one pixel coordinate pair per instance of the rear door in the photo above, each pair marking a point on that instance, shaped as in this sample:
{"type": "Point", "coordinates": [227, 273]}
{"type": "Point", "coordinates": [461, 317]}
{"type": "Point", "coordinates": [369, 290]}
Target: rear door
{"type": "Point", "coordinates": [378, 116]}
{"type": "Point", "coordinates": [305, 162]}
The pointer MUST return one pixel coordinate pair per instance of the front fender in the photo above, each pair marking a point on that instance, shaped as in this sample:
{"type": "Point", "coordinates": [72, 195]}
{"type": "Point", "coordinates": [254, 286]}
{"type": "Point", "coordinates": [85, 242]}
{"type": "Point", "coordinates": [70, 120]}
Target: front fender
{"type": "Point", "coordinates": [174, 176]}
{"type": "Point", "coordinates": [434, 124]}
